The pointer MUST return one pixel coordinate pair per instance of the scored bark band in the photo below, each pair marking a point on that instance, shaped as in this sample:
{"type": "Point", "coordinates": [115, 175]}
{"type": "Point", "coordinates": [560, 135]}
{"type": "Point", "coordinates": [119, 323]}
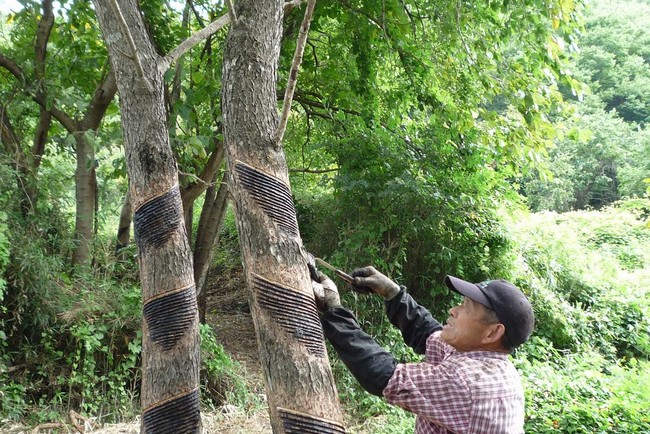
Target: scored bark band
{"type": "Point", "coordinates": [294, 311]}
{"type": "Point", "coordinates": [271, 195]}
{"type": "Point", "coordinates": [296, 422]}
{"type": "Point", "coordinates": [179, 414]}
{"type": "Point", "coordinates": [169, 316]}
{"type": "Point", "coordinates": [156, 220]}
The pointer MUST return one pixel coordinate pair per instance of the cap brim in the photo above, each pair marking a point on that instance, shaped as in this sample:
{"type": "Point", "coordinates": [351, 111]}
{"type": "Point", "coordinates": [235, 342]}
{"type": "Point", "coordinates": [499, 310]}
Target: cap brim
{"type": "Point", "coordinates": [469, 290]}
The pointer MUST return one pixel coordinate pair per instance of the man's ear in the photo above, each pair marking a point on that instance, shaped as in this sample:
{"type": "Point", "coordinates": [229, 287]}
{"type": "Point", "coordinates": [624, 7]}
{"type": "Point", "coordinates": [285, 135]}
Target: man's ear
{"type": "Point", "coordinates": [494, 333]}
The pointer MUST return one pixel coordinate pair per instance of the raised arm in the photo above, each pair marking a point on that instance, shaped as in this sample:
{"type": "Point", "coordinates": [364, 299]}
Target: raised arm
{"type": "Point", "coordinates": [412, 319]}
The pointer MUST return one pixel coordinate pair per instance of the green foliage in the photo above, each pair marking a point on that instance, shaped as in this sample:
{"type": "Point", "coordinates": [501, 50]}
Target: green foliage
{"type": "Point", "coordinates": [222, 381]}
{"type": "Point", "coordinates": [599, 160]}
{"type": "Point", "coordinates": [582, 393]}
{"type": "Point", "coordinates": [68, 343]}
{"type": "Point", "coordinates": [604, 155]}
{"type": "Point", "coordinates": [577, 269]}
{"type": "Point", "coordinates": [84, 354]}
{"type": "Point", "coordinates": [614, 58]}
{"type": "Point", "coordinates": [409, 221]}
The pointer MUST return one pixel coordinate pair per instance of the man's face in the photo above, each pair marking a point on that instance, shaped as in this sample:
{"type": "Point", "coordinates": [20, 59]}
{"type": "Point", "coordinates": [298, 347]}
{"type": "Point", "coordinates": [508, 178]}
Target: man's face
{"type": "Point", "coordinates": [466, 328]}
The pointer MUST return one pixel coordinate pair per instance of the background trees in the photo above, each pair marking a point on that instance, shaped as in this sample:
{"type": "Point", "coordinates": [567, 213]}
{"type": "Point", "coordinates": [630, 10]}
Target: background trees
{"type": "Point", "coordinates": [603, 156]}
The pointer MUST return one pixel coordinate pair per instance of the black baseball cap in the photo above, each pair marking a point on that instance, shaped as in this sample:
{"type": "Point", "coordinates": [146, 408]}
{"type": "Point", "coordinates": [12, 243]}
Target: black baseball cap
{"type": "Point", "coordinates": [510, 305]}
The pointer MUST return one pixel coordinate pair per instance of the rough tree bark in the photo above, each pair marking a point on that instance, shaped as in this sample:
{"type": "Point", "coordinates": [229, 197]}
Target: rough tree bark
{"type": "Point", "coordinates": [207, 237]}
{"type": "Point", "coordinates": [170, 355]}
{"type": "Point", "coordinates": [301, 393]}
{"type": "Point", "coordinates": [170, 351]}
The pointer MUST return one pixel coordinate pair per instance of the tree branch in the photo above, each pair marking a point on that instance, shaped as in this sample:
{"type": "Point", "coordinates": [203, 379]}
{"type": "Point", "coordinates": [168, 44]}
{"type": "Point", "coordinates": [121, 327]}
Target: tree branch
{"type": "Point", "coordinates": [127, 34]}
{"type": "Point", "coordinates": [40, 49]}
{"type": "Point", "coordinates": [68, 123]}
{"type": "Point", "coordinates": [42, 36]}
{"type": "Point", "coordinates": [317, 104]}
{"type": "Point", "coordinates": [8, 135]}
{"type": "Point", "coordinates": [231, 11]}
{"type": "Point", "coordinates": [202, 34]}
{"type": "Point", "coordinates": [192, 192]}
{"type": "Point", "coordinates": [293, 73]}
{"type": "Point", "coordinates": [99, 103]}
{"type": "Point", "coordinates": [305, 170]}
{"type": "Point", "coordinates": [290, 5]}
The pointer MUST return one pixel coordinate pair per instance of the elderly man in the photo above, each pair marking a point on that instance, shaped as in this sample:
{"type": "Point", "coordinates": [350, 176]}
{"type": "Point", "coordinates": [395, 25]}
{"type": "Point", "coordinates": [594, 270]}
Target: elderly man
{"type": "Point", "coordinates": [466, 384]}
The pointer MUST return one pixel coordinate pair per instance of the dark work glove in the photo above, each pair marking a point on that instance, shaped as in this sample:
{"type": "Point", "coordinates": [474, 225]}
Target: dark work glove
{"type": "Point", "coordinates": [325, 293]}
{"type": "Point", "coordinates": [370, 278]}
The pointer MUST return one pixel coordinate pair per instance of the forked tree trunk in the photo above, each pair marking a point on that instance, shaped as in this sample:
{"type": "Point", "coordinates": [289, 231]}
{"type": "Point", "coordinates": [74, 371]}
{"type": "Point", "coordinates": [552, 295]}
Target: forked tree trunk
{"type": "Point", "coordinates": [85, 179]}
{"type": "Point", "coordinates": [170, 352]}
{"type": "Point", "coordinates": [301, 393]}
{"type": "Point", "coordinates": [207, 237]}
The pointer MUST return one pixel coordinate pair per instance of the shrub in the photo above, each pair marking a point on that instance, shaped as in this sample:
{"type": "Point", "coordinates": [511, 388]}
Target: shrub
{"type": "Point", "coordinates": [75, 344]}
{"type": "Point", "coordinates": [222, 381]}
{"type": "Point", "coordinates": [583, 393]}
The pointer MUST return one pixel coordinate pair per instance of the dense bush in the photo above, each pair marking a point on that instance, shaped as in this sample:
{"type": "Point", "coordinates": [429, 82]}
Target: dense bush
{"type": "Point", "coordinates": [73, 342]}
{"type": "Point", "coordinates": [585, 393]}
{"type": "Point", "coordinates": [586, 292]}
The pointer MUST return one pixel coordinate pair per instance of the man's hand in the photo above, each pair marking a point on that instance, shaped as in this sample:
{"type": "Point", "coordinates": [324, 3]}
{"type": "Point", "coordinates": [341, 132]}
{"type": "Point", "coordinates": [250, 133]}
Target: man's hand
{"type": "Point", "coordinates": [369, 277]}
{"type": "Point", "coordinates": [325, 293]}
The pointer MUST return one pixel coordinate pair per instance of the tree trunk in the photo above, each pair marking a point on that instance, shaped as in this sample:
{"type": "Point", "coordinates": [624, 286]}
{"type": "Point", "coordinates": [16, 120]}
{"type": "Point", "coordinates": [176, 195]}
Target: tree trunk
{"type": "Point", "coordinates": [19, 162]}
{"type": "Point", "coordinates": [301, 393]}
{"type": "Point", "coordinates": [85, 185]}
{"type": "Point", "coordinates": [85, 174]}
{"type": "Point", "coordinates": [207, 238]}
{"type": "Point", "coordinates": [170, 351]}
{"type": "Point", "coordinates": [124, 226]}
{"type": "Point", "coordinates": [85, 179]}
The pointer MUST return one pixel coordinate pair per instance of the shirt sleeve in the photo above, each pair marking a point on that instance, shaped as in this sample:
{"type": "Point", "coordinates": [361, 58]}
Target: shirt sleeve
{"type": "Point", "coordinates": [412, 319]}
{"type": "Point", "coordinates": [436, 392]}
{"type": "Point", "coordinates": [437, 349]}
{"type": "Point", "coordinates": [370, 364]}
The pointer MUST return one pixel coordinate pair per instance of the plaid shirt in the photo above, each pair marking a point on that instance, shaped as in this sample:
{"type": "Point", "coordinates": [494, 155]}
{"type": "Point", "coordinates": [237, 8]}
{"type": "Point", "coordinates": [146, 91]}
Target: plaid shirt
{"type": "Point", "coordinates": [476, 392]}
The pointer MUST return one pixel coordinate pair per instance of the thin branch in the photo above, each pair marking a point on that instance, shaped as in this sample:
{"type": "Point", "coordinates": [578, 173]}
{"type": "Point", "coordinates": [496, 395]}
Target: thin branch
{"type": "Point", "coordinates": [293, 73]}
{"type": "Point", "coordinates": [203, 181]}
{"type": "Point", "coordinates": [40, 49]}
{"type": "Point", "coordinates": [65, 120]}
{"type": "Point", "coordinates": [202, 34]}
{"type": "Point", "coordinates": [473, 61]}
{"type": "Point", "coordinates": [288, 6]}
{"type": "Point", "coordinates": [231, 11]}
{"type": "Point", "coordinates": [313, 170]}
{"type": "Point", "coordinates": [197, 15]}
{"type": "Point", "coordinates": [127, 33]}
{"type": "Point", "coordinates": [317, 104]}
{"type": "Point", "coordinates": [101, 99]}
{"type": "Point", "coordinates": [42, 36]}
